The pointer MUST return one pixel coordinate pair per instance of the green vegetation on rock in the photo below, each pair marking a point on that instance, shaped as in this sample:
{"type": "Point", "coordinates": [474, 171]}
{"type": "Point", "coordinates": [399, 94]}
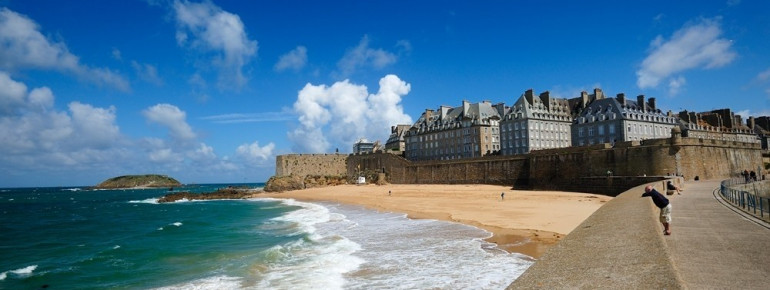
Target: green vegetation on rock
{"type": "Point", "coordinates": [131, 181]}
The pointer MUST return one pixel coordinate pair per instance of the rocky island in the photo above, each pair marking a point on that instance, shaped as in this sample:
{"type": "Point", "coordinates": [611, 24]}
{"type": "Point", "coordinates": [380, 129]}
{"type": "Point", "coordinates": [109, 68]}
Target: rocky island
{"type": "Point", "coordinates": [138, 181]}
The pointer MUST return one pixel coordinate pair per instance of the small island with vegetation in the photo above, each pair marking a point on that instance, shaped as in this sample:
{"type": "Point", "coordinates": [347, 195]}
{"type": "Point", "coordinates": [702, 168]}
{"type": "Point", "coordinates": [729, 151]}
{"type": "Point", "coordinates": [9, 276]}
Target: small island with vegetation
{"type": "Point", "coordinates": [138, 181]}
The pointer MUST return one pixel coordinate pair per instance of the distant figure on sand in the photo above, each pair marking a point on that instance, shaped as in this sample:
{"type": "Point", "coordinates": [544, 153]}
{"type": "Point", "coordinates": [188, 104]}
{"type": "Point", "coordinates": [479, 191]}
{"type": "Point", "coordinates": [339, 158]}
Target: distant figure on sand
{"type": "Point", "coordinates": [670, 186]}
{"type": "Point", "coordinates": [662, 203]}
{"type": "Point", "coordinates": [502, 196]}
{"type": "Point", "coordinates": [388, 192]}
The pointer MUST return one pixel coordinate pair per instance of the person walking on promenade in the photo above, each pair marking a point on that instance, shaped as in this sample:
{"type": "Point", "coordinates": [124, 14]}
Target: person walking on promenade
{"type": "Point", "coordinates": [662, 203]}
{"type": "Point", "coordinates": [746, 175]}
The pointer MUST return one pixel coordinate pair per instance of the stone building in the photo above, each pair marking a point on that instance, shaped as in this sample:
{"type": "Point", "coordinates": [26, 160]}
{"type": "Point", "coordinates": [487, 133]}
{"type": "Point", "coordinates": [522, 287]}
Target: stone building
{"type": "Point", "coordinates": [720, 124]}
{"type": "Point", "coordinates": [363, 146]}
{"type": "Point", "coordinates": [396, 143]}
{"type": "Point", "coordinates": [534, 123]}
{"type": "Point", "coordinates": [761, 127]}
{"type": "Point", "coordinates": [610, 120]}
{"type": "Point", "coordinates": [467, 131]}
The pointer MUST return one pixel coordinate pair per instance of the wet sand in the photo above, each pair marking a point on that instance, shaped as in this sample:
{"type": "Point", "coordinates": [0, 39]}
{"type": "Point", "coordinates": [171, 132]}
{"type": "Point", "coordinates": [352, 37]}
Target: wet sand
{"type": "Point", "coordinates": [526, 222]}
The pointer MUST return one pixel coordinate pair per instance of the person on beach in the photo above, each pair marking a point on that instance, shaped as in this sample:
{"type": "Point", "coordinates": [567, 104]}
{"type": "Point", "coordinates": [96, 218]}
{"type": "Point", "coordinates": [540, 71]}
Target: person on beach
{"type": "Point", "coordinates": [502, 196]}
{"type": "Point", "coordinates": [662, 203]}
{"type": "Point", "coordinates": [670, 186]}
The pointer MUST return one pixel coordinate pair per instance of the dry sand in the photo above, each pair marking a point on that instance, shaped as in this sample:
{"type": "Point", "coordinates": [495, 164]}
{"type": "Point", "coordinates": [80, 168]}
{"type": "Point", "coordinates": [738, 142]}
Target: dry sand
{"type": "Point", "coordinates": [526, 222]}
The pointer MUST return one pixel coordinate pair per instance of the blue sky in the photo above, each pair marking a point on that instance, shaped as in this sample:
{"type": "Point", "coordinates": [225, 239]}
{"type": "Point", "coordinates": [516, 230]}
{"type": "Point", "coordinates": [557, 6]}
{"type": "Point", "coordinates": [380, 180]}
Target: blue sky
{"type": "Point", "coordinates": [211, 91]}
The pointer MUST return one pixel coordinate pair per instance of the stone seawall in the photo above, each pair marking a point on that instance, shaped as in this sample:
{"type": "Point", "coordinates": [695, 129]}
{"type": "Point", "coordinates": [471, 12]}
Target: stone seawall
{"type": "Point", "coordinates": [598, 168]}
{"type": "Point", "coordinates": [618, 247]}
{"type": "Point", "coordinates": [311, 164]}
{"type": "Point", "coordinates": [575, 168]}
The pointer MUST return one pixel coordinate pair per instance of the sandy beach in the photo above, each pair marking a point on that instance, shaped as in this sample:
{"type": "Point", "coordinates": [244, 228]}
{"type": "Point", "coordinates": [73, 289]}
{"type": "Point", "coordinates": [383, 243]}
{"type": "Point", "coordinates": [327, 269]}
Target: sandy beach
{"type": "Point", "coordinates": [526, 222]}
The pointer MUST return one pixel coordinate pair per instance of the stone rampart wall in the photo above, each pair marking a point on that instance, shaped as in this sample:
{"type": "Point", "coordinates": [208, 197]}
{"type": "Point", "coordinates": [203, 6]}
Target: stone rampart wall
{"type": "Point", "coordinates": [311, 164]}
{"type": "Point", "coordinates": [576, 168]}
{"type": "Point", "coordinates": [598, 168]}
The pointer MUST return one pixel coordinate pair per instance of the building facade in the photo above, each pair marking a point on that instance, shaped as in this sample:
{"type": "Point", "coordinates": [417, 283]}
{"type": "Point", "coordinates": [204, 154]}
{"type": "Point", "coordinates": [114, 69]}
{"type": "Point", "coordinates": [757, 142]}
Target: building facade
{"type": "Point", "coordinates": [536, 122]}
{"type": "Point", "coordinates": [720, 124]}
{"type": "Point", "coordinates": [609, 120]}
{"type": "Point", "coordinates": [396, 143]}
{"type": "Point", "coordinates": [363, 146]}
{"type": "Point", "coordinates": [467, 131]}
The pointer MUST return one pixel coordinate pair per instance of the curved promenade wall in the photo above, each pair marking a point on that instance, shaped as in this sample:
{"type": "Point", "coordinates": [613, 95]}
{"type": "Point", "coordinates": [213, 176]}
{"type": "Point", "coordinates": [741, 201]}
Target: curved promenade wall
{"type": "Point", "coordinates": [618, 247]}
{"type": "Point", "coordinates": [311, 164]}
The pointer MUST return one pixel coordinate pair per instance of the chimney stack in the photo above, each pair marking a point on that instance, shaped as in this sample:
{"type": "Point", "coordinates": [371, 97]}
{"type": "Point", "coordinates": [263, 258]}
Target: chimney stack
{"type": "Point", "coordinates": [546, 98]}
{"type": "Point", "coordinates": [621, 99]}
{"type": "Point", "coordinates": [530, 97]}
{"type": "Point", "coordinates": [651, 101]}
{"type": "Point", "coordinates": [640, 102]}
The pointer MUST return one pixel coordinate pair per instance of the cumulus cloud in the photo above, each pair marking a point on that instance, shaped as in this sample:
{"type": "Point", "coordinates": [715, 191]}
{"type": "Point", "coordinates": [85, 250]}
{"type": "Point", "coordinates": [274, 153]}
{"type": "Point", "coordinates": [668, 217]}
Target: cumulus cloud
{"type": "Point", "coordinates": [294, 60]}
{"type": "Point", "coordinates": [147, 73]}
{"type": "Point", "coordinates": [33, 133]}
{"type": "Point", "coordinates": [23, 46]}
{"type": "Point", "coordinates": [696, 45]}
{"type": "Point", "coordinates": [339, 114]}
{"type": "Point", "coordinates": [255, 154]}
{"type": "Point", "coordinates": [675, 84]}
{"type": "Point", "coordinates": [172, 118]}
{"type": "Point", "coordinates": [364, 56]}
{"type": "Point", "coordinates": [208, 28]}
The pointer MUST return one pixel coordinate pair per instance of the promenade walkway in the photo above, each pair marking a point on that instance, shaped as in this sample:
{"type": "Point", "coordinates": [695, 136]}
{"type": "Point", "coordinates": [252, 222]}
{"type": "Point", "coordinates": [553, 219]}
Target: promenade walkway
{"type": "Point", "coordinates": [713, 246]}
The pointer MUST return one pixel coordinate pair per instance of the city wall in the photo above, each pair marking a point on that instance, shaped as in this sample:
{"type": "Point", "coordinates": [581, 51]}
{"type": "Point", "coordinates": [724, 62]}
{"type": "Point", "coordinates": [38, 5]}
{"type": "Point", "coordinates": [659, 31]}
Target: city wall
{"type": "Point", "coordinates": [598, 168]}
{"type": "Point", "coordinates": [311, 164]}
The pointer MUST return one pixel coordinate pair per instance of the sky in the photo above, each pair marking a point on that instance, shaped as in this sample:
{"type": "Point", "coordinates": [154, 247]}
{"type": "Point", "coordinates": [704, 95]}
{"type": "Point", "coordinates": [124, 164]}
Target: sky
{"type": "Point", "coordinates": [212, 91]}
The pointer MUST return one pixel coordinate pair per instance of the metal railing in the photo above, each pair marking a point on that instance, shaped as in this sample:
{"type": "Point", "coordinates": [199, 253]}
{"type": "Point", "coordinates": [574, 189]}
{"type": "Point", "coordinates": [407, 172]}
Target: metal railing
{"type": "Point", "coordinates": [749, 202]}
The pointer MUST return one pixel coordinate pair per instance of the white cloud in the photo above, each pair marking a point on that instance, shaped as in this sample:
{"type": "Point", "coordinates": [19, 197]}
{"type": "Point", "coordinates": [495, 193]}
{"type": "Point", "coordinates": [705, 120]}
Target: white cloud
{"type": "Point", "coordinates": [294, 60]}
{"type": "Point", "coordinates": [207, 27]}
{"type": "Point", "coordinates": [363, 56]}
{"type": "Point", "coordinates": [253, 153]}
{"type": "Point", "coordinates": [764, 75]}
{"type": "Point", "coordinates": [116, 54]}
{"type": "Point", "coordinates": [249, 118]}
{"type": "Point", "coordinates": [696, 45]}
{"type": "Point", "coordinates": [147, 72]}
{"type": "Point", "coordinates": [34, 134]}
{"type": "Point", "coordinates": [24, 47]}
{"type": "Point", "coordinates": [339, 114]}
{"type": "Point", "coordinates": [172, 118]}
{"type": "Point", "coordinates": [675, 84]}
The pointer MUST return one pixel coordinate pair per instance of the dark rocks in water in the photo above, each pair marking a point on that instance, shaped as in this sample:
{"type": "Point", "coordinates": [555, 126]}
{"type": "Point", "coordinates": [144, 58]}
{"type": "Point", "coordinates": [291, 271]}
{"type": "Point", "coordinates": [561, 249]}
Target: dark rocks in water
{"type": "Point", "coordinates": [224, 193]}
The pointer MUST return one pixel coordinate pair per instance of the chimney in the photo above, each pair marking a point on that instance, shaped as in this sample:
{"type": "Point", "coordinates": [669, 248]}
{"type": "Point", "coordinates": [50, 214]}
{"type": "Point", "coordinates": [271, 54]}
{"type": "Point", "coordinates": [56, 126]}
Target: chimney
{"type": "Point", "coordinates": [583, 99]}
{"type": "Point", "coordinates": [546, 98]}
{"type": "Point", "coordinates": [444, 111]}
{"type": "Point", "coordinates": [466, 106]}
{"type": "Point", "coordinates": [640, 102]}
{"type": "Point", "coordinates": [598, 94]}
{"type": "Point", "coordinates": [500, 108]}
{"type": "Point", "coordinates": [651, 101]}
{"type": "Point", "coordinates": [751, 123]}
{"type": "Point", "coordinates": [621, 99]}
{"type": "Point", "coordinates": [530, 97]}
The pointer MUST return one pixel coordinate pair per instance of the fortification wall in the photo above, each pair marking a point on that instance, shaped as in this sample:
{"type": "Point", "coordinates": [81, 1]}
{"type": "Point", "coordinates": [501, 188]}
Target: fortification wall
{"type": "Point", "coordinates": [311, 164]}
{"type": "Point", "coordinates": [598, 168]}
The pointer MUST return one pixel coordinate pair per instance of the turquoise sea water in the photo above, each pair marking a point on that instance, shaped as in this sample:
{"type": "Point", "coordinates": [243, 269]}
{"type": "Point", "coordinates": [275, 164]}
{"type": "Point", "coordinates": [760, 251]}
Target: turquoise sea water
{"type": "Point", "coordinates": [74, 238]}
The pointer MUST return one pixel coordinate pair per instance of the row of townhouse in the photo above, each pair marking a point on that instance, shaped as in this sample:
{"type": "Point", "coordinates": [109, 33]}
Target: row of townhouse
{"type": "Point", "coordinates": [542, 122]}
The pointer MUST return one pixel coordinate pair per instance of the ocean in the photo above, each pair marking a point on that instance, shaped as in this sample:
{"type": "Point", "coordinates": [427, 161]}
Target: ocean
{"type": "Point", "coordinates": [76, 238]}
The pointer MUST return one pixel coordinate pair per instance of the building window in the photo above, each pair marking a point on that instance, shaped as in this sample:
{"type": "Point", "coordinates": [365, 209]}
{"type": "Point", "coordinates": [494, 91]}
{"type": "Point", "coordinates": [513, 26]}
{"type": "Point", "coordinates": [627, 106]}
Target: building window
{"type": "Point", "coordinates": [601, 130]}
{"type": "Point", "coordinates": [611, 129]}
{"type": "Point", "coordinates": [580, 132]}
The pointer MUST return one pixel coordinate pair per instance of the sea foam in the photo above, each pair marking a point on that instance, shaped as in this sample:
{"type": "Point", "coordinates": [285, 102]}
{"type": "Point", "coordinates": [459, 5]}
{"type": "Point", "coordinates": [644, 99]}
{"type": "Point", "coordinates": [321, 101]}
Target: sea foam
{"type": "Point", "coordinates": [318, 261]}
{"type": "Point", "coordinates": [213, 283]}
{"type": "Point", "coordinates": [22, 272]}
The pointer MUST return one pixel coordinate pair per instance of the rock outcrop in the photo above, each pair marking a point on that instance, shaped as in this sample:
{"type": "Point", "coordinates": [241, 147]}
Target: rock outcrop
{"type": "Point", "coordinates": [134, 181]}
{"type": "Point", "coordinates": [294, 182]}
{"type": "Point", "coordinates": [224, 193]}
